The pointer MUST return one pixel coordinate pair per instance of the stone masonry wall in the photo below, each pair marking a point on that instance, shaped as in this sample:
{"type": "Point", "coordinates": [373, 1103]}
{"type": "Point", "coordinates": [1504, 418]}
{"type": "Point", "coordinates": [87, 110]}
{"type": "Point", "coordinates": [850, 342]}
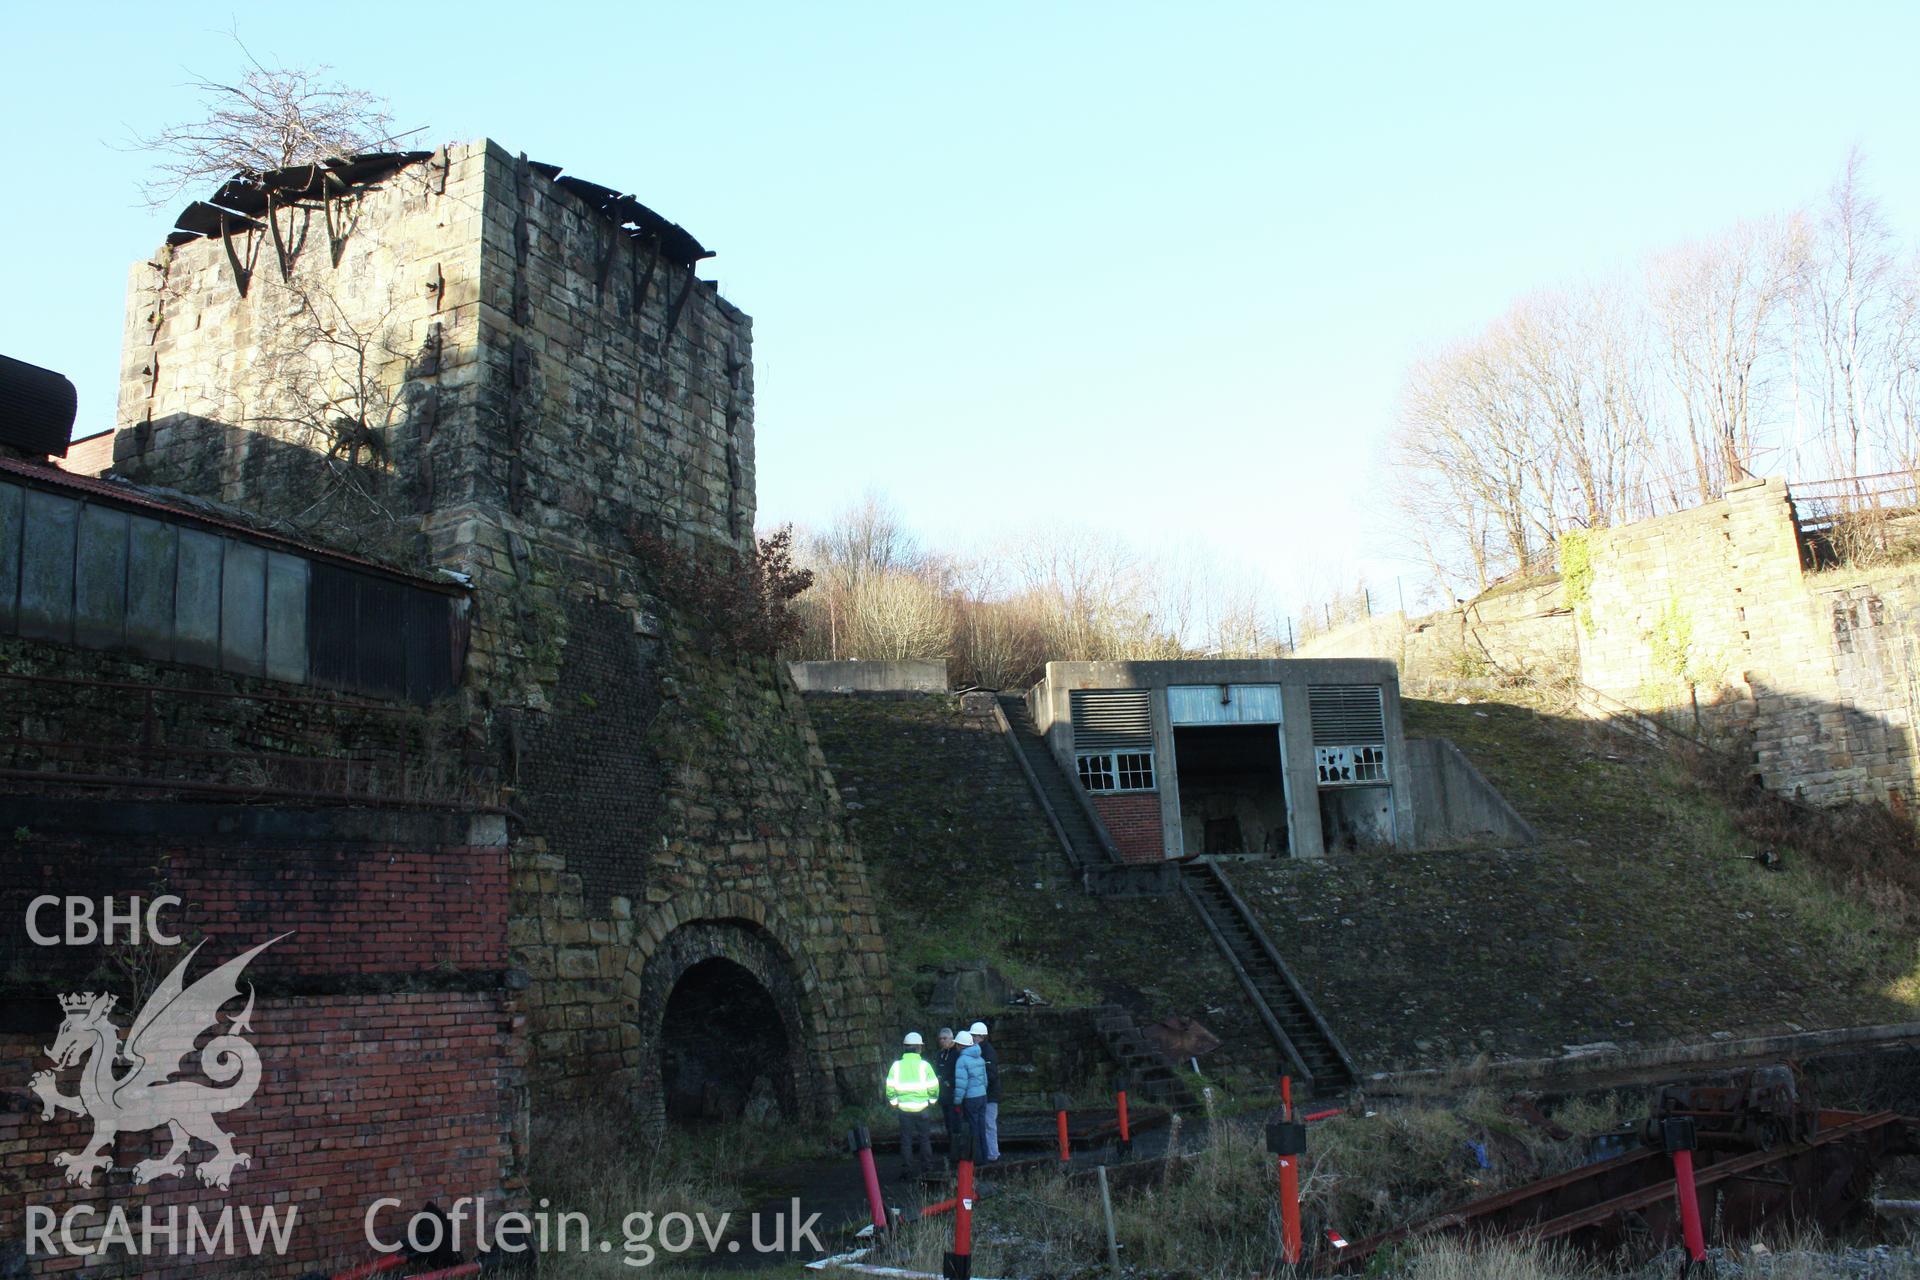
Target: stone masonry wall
{"type": "Point", "coordinates": [82, 711]}
{"type": "Point", "coordinates": [236, 395]}
{"type": "Point", "coordinates": [580, 389]}
{"type": "Point", "coordinates": [1526, 628]}
{"type": "Point", "coordinates": [750, 838]}
{"type": "Point", "coordinates": [1707, 619]}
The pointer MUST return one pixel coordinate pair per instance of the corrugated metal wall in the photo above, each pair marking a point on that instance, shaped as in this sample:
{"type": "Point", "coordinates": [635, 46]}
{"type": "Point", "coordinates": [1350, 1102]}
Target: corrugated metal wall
{"type": "Point", "coordinates": [1223, 703]}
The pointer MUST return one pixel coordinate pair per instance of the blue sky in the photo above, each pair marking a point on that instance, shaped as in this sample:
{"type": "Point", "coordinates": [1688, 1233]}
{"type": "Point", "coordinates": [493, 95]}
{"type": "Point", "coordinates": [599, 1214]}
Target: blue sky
{"type": "Point", "coordinates": [1155, 268]}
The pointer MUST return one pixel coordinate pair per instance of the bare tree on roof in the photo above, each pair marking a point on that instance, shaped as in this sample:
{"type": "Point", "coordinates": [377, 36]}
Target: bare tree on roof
{"type": "Point", "coordinates": [268, 118]}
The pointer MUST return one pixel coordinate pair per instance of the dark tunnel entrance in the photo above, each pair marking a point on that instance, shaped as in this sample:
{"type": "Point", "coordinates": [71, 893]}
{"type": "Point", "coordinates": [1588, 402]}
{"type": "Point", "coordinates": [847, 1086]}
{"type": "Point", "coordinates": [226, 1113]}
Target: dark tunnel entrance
{"type": "Point", "coordinates": [724, 1051]}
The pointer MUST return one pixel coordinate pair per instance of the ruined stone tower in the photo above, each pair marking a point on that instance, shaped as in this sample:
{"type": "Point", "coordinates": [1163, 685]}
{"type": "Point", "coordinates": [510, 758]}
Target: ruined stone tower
{"type": "Point", "coordinates": [468, 362]}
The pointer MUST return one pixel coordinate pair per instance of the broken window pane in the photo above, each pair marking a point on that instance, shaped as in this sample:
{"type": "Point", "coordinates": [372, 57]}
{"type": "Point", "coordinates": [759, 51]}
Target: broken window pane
{"type": "Point", "coordinates": [1351, 766]}
{"type": "Point", "coordinates": [1096, 772]}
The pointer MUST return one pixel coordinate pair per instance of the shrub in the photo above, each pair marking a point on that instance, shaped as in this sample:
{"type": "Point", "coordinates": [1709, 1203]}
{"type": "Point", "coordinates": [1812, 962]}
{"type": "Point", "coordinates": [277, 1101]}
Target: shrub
{"type": "Point", "coordinates": [744, 601]}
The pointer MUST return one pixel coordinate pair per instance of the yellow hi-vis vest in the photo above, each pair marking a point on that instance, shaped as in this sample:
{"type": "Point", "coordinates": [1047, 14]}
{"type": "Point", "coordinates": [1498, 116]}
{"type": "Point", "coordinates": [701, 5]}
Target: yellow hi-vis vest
{"type": "Point", "coordinates": [911, 1083]}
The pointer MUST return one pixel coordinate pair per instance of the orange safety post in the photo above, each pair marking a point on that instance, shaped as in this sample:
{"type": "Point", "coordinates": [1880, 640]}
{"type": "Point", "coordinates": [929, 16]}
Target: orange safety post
{"type": "Point", "coordinates": [1287, 1142]}
{"type": "Point", "coordinates": [1060, 1115]}
{"type": "Point", "coordinates": [958, 1265]}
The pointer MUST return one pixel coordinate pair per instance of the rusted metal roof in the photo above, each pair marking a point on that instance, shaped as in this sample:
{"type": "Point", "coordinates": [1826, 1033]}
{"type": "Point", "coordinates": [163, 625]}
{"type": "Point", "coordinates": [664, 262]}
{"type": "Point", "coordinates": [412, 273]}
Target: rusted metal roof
{"type": "Point", "coordinates": [244, 198]}
{"type": "Point", "coordinates": [674, 242]}
{"type": "Point", "coordinates": [133, 497]}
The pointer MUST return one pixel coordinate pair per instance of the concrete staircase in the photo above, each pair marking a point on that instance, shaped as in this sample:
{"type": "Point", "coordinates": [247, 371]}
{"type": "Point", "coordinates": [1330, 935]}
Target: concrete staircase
{"type": "Point", "coordinates": [1307, 1043]}
{"type": "Point", "coordinates": [1083, 838]}
{"type": "Point", "coordinates": [1313, 1054]}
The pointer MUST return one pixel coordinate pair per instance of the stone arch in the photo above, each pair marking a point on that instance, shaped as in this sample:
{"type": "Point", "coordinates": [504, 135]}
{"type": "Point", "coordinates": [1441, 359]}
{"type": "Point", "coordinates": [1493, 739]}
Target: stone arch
{"type": "Point", "coordinates": [688, 939]}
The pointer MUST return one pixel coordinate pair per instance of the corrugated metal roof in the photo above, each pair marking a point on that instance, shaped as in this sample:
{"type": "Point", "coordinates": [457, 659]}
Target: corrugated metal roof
{"type": "Point", "coordinates": [133, 497]}
{"type": "Point", "coordinates": [244, 198]}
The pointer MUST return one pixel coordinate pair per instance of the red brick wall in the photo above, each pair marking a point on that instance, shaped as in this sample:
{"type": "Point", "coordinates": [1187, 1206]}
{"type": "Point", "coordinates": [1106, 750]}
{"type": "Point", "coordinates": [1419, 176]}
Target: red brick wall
{"type": "Point", "coordinates": [407, 1095]}
{"type": "Point", "coordinates": [392, 1047]}
{"type": "Point", "coordinates": [1133, 819]}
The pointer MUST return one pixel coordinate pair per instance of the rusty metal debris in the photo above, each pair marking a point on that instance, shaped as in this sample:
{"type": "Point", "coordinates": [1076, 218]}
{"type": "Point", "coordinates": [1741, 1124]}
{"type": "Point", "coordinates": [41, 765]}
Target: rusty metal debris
{"type": "Point", "coordinates": [1768, 1156]}
{"type": "Point", "coordinates": [244, 200]}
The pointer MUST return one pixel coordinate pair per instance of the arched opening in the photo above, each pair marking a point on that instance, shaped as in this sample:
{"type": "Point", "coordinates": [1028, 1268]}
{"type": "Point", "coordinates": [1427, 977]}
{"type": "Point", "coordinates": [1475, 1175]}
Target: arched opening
{"type": "Point", "coordinates": [724, 1050]}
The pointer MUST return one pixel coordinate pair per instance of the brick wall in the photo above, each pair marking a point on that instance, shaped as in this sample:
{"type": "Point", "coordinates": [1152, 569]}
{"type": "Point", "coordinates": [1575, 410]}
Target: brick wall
{"type": "Point", "coordinates": [1133, 820]}
{"type": "Point", "coordinates": [361, 892]}
{"type": "Point", "coordinates": [389, 1031]}
{"type": "Point", "coordinates": [407, 1095]}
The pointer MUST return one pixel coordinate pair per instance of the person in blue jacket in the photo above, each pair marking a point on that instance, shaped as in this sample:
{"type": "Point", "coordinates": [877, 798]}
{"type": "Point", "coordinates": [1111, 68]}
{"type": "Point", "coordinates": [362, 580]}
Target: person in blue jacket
{"type": "Point", "coordinates": [970, 1093]}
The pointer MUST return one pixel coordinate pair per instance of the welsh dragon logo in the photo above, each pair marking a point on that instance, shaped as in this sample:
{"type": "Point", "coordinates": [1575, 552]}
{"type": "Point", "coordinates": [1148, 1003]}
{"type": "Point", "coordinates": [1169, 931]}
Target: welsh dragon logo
{"type": "Point", "coordinates": [146, 1096]}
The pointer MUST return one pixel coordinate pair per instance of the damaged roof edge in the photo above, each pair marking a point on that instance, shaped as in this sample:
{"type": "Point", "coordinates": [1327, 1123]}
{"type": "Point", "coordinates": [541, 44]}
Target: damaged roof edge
{"type": "Point", "coordinates": [245, 198]}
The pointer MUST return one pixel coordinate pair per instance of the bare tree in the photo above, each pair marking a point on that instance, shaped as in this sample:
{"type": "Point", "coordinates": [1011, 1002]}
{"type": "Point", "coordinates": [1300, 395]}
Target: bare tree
{"type": "Point", "coordinates": [1723, 311]}
{"type": "Point", "coordinates": [866, 538]}
{"type": "Point", "coordinates": [268, 118]}
{"type": "Point", "coordinates": [894, 616]}
{"type": "Point", "coordinates": [1854, 300]}
{"type": "Point", "coordinates": [335, 391]}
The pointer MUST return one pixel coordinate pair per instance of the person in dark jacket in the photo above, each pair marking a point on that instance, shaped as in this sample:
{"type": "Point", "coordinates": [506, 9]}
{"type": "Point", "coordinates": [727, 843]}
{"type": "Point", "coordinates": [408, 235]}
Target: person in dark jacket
{"type": "Point", "coordinates": [990, 1129]}
{"type": "Point", "coordinates": [943, 1067]}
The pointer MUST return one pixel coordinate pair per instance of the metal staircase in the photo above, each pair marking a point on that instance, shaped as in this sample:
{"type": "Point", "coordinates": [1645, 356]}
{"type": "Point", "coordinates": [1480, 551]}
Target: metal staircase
{"type": "Point", "coordinates": [1304, 1038]}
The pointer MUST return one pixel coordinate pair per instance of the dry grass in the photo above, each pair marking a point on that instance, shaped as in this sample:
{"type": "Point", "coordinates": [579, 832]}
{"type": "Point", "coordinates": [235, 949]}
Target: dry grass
{"type": "Point", "coordinates": [595, 1161]}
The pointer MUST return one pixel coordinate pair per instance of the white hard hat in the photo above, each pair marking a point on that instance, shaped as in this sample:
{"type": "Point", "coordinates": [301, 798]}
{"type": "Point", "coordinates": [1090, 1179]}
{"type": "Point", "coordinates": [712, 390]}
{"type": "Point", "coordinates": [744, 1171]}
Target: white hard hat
{"type": "Point", "coordinates": [913, 1038]}
{"type": "Point", "coordinates": [964, 1039]}
{"type": "Point", "coordinates": [977, 1029]}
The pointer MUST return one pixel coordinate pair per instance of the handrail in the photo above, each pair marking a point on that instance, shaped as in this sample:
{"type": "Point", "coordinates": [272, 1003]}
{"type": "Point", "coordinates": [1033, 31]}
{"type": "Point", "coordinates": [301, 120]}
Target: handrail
{"type": "Point", "coordinates": [1251, 987]}
{"type": "Point", "coordinates": [1087, 811]}
{"type": "Point", "coordinates": [1293, 984]}
{"type": "Point", "coordinates": [1033, 784]}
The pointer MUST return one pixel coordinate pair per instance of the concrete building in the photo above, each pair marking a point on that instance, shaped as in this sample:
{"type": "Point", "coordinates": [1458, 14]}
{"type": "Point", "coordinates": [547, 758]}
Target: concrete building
{"type": "Point", "coordinates": [1262, 758]}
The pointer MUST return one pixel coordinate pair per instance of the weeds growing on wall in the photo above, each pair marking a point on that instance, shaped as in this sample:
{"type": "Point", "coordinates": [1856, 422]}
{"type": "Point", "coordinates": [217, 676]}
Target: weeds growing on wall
{"type": "Point", "coordinates": [1672, 642]}
{"type": "Point", "coordinates": [1576, 575]}
{"type": "Point", "coordinates": [744, 601]}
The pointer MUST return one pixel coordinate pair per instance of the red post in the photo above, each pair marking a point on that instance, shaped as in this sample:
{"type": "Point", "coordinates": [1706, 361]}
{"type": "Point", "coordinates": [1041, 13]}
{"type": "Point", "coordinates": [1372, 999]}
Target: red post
{"type": "Point", "coordinates": [1289, 1209]}
{"type": "Point", "coordinates": [1689, 1206]}
{"type": "Point", "coordinates": [863, 1146]}
{"type": "Point", "coordinates": [1060, 1116]}
{"type": "Point", "coordinates": [1677, 1131]}
{"type": "Point", "coordinates": [958, 1265]}
{"type": "Point", "coordinates": [1286, 1097]}
{"type": "Point", "coordinates": [1287, 1140]}
{"type": "Point", "coordinates": [1126, 1132]}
